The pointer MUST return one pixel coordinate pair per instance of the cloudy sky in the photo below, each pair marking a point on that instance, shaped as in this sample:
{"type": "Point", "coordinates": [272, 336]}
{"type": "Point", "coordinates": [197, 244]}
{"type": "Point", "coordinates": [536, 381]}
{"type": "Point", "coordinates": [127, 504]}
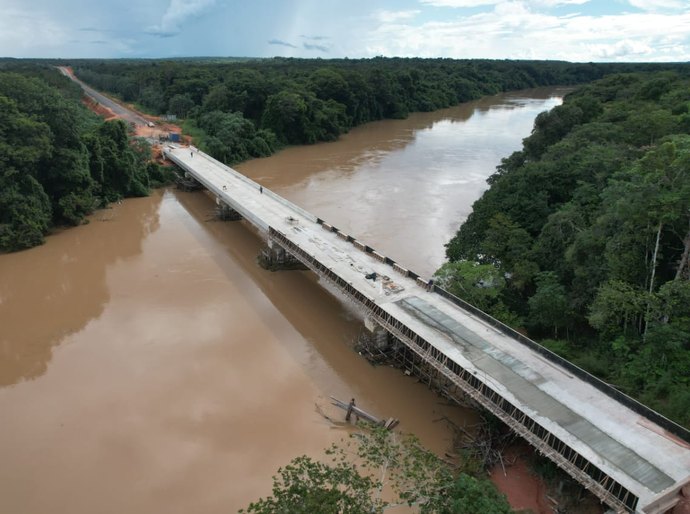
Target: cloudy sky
{"type": "Point", "coordinates": [573, 30]}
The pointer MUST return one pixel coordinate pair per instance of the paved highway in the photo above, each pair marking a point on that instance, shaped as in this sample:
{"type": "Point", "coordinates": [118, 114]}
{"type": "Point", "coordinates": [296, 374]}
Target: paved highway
{"type": "Point", "coordinates": [119, 110]}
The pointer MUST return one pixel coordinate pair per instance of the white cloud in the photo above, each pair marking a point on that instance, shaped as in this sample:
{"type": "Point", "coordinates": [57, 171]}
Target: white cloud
{"type": "Point", "coordinates": [19, 29]}
{"type": "Point", "coordinates": [459, 3]}
{"type": "Point", "coordinates": [625, 48]}
{"type": "Point", "coordinates": [640, 30]}
{"type": "Point", "coordinates": [555, 3]}
{"type": "Point", "coordinates": [18, 37]}
{"type": "Point", "coordinates": [479, 3]}
{"type": "Point", "coordinates": [177, 13]}
{"type": "Point", "coordinates": [658, 5]}
{"type": "Point", "coordinates": [393, 16]}
{"type": "Point", "coordinates": [518, 31]}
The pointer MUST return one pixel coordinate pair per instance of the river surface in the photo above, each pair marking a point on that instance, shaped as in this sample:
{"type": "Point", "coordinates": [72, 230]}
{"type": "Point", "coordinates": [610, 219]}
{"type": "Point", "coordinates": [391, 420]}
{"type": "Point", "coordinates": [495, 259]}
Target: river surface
{"type": "Point", "coordinates": [148, 365]}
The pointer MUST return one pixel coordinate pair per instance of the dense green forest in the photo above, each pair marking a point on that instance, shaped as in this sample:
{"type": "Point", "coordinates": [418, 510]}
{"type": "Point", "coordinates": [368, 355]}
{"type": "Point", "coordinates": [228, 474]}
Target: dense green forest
{"type": "Point", "coordinates": [584, 235]}
{"type": "Point", "coordinates": [238, 110]}
{"type": "Point", "coordinates": [59, 162]}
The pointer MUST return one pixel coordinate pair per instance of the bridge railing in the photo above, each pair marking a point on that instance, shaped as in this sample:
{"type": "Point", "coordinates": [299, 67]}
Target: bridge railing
{"type": "Point", "coordinates": [604, 486]}
{"type": "Point", "coordinates": [369, 250]}
{"type": "Point", "coordinates": [605, 388]}
{"type": "Point", "coordinates": [602, 386]}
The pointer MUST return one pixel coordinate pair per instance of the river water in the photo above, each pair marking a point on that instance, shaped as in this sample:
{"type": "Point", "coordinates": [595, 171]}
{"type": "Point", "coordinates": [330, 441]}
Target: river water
{"type": "Point", "coordinates": [148, 365]}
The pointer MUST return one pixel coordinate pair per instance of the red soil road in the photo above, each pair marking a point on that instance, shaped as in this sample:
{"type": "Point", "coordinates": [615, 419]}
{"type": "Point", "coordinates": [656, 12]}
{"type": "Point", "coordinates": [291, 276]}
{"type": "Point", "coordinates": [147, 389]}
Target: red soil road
{"type": "Point", "coordinates": [110, 109]}
{"type": "Point", "coordinates": [102, 111]}
{"type": "Point", "coordinates": [525, 490]}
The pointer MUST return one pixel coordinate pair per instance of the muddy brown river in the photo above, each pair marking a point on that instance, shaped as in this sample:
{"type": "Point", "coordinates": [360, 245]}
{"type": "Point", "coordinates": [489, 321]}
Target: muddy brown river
{"type": "Point", "coordinates": [148, 365]}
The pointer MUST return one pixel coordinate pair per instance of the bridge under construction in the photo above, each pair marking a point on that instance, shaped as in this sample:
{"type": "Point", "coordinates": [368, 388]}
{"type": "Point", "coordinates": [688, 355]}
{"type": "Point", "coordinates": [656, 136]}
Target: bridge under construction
{"type": "Point", "coordinates": [631, 457]}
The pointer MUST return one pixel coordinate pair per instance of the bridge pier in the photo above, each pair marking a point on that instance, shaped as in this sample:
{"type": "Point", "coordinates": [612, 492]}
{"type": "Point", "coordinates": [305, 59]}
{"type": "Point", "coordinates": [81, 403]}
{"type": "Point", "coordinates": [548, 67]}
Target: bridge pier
{"type": "Point", "coordinates": [226, 213]}
{"type": "Point", "coordinates": [378, 336]}
{"type": "Point", "coordinates": [274, 257]}
{"type": "Point", "coordinates": [375, 341]}
{"type": "Point", "coordinates": [188, 183]}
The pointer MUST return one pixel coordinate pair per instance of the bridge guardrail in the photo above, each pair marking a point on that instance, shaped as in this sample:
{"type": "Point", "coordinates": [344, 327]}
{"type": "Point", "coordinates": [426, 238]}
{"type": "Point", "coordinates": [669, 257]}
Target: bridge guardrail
{"type": "Point", "coordinates": [602, 386]}
{"type": "Point", "coordinates": [599, 384]}
{"type": "Point", "coordinates": [477, 389]}
{"type": "Point", "coordinates": [605, 388]}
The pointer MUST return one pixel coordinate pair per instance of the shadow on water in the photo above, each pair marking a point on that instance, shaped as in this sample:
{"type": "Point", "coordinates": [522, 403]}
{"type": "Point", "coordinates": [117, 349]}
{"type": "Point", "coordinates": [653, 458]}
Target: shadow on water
{"type": "Point", "coordinates": [327, 323]}
{"type": "Point", "coordinates": [326, 326]}
{"type": "Point", "coordinates": [54, 290]}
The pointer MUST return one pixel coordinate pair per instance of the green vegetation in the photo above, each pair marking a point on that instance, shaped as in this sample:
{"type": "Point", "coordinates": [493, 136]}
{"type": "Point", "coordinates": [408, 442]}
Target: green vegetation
{"type": "Point", "coordinates": [242, 109]}
{"type": "Point", "coordinates": [58, 162]}
{"type": "Point", "coordinates": [354, 477]}
{"type": "Point", "coordinates": [584, 236]}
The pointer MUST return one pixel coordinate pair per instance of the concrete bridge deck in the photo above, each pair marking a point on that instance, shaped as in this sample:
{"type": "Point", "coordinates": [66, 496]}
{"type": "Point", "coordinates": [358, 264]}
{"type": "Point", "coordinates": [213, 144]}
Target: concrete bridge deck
{"type": "Point", "coordinates": [624, 457]}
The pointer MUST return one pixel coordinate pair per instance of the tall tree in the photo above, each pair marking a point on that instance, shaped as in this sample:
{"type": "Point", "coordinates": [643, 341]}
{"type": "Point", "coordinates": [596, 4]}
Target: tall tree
{"type": "Point", "coordinates": [549, 305]}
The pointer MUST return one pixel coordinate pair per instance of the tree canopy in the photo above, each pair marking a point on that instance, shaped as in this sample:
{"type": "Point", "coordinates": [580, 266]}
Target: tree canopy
{"type": "Point", "coordinates": [57, 161]}
{"type": "Point", "coordinates": [239, 109]}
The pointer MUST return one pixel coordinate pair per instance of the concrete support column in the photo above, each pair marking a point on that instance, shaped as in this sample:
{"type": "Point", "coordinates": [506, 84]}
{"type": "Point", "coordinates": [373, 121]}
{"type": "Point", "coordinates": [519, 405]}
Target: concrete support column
{"type": "Point", "coordinates": [378, 336]}
{"type": "Point", "coordinates": [274, 257]}
{"type": "Point", "coordinates": [226, 213]}
{"type": "Point", "coordinates": [188, 183]}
